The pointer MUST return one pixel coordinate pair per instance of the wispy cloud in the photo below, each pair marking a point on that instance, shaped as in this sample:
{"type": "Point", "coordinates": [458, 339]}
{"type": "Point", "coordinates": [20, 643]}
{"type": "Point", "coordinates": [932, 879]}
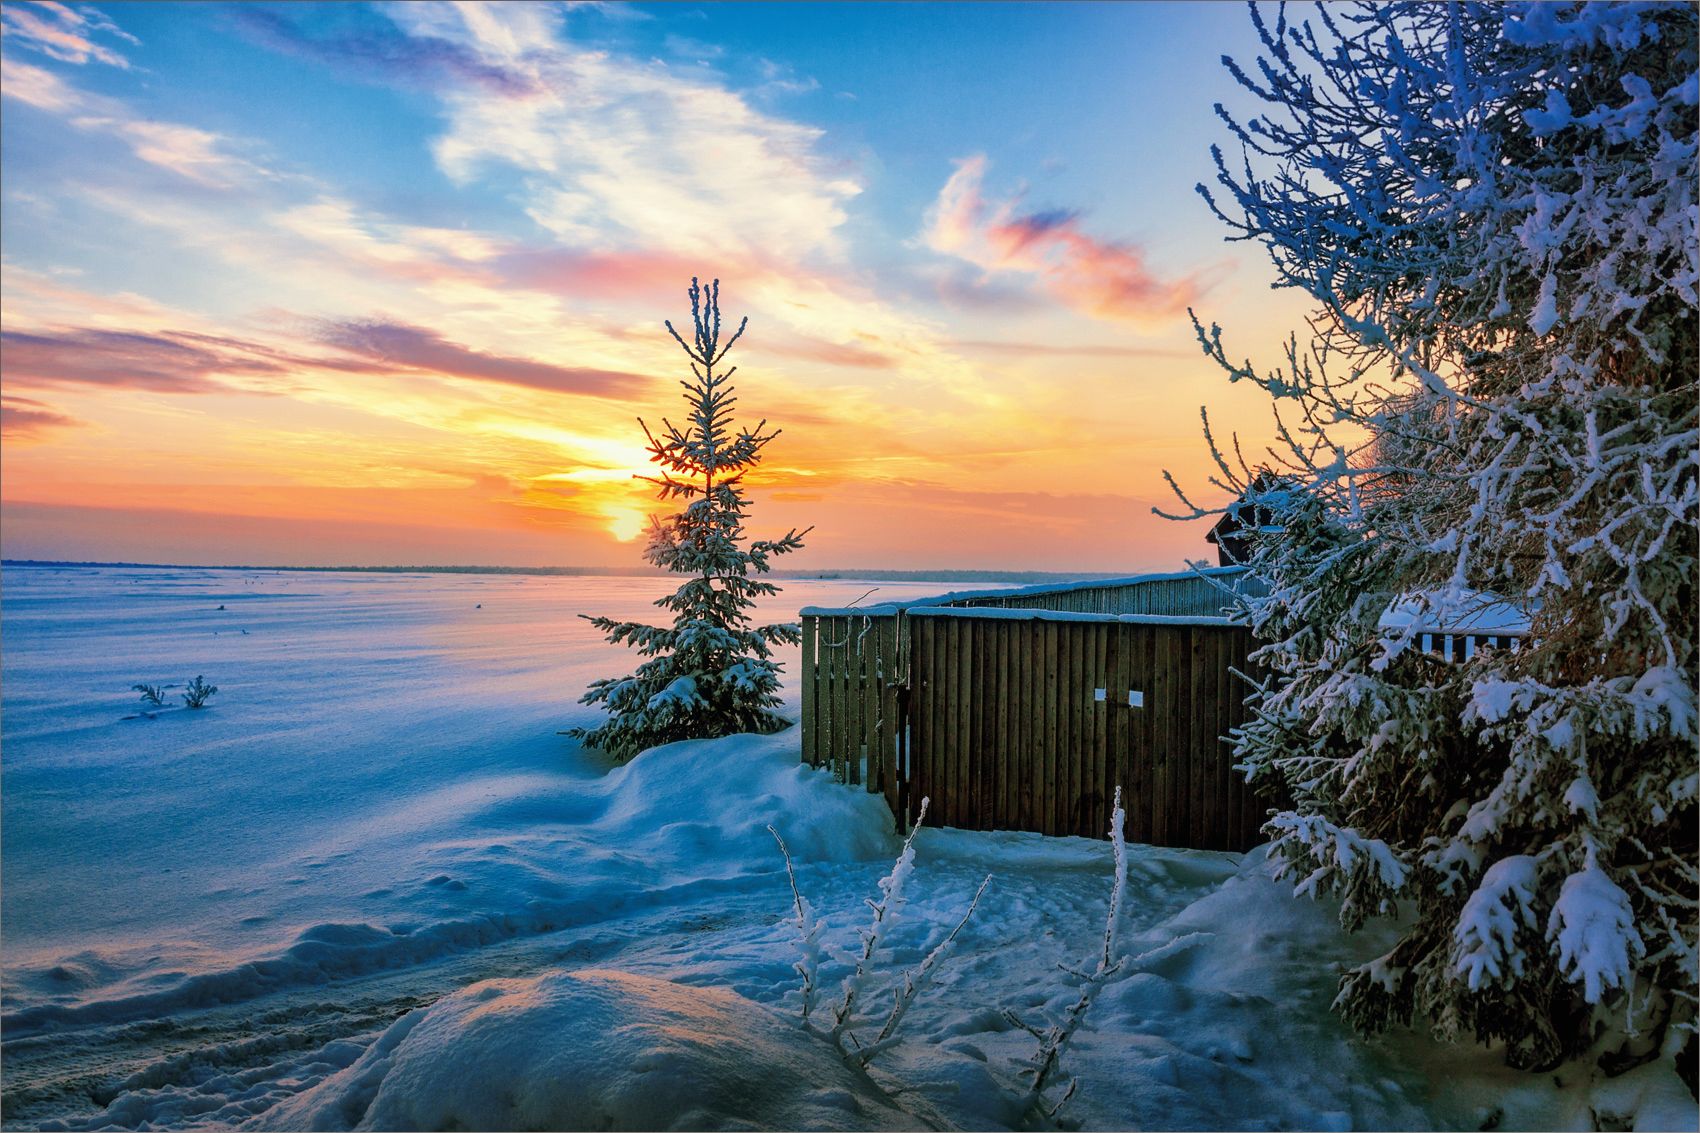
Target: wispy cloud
{"type": "Point", "coordinates": [402, 346]}
{"type": "Point", "coordinates": [1104, 279]}
{"type": "Point", "coordinates": [62, 32]}
{"type": "Point", "coordinates": [378, 51]}
{"type": "Point", "coordinates": [195, 154]}
{"type": "Point", "coordinates": [632, 154]}
{"type": "Point", "coordinates": [120, 360]}
{"type": "Point", "coordinates": [24, 418]}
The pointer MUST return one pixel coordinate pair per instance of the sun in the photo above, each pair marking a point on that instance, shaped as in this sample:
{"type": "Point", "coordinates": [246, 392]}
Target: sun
{"type": "Point", "coordinates": [625, 524]}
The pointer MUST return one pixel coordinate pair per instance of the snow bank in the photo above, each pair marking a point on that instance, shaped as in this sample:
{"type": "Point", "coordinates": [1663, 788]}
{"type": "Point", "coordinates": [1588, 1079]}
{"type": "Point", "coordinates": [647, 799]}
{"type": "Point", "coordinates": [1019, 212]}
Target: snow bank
{"type": "Point", "coordinates": [592, 1050]}
{"type": "Point", "coordinates": [680, 818]}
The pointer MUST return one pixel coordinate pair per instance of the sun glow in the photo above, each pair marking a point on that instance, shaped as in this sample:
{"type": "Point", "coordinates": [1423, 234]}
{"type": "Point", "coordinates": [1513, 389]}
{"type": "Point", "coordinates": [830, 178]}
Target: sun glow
{"type": "Point", "coordinates": [625, 524]}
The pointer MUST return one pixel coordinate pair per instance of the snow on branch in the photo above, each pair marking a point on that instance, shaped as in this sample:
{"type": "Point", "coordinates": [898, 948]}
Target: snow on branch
{"type": "Point", "coordinates": [846, 1013]}
{"type": "Point", "coordinates": [1054, 1040]}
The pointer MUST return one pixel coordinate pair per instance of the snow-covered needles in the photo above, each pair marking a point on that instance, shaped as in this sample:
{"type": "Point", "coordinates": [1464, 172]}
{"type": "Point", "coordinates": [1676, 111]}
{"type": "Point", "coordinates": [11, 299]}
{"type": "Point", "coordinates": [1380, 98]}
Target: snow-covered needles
{"type": "Point", "coordinates": [710, 673]}
{"type": "Point", "coordinates": [846, 1013]}
{"type": "Point", "coordinates": [1494, 209]}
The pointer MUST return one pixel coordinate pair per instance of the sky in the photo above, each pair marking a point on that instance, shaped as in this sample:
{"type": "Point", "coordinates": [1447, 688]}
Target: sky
{"type": "Point", "coordinates": [308, 284]}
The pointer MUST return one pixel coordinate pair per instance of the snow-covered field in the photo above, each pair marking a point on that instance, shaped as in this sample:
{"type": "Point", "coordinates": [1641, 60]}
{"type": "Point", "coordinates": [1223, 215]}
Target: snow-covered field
{"type": "Point", "coordinates": [266, 911]}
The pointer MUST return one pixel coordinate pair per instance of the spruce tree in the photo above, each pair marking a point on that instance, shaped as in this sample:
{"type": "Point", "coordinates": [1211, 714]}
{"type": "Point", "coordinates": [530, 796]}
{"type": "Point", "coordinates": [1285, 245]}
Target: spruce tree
{"type": "Point", "coordinates": [709, 673]}
{"type": "Point", "coordinates": [1494, 208]}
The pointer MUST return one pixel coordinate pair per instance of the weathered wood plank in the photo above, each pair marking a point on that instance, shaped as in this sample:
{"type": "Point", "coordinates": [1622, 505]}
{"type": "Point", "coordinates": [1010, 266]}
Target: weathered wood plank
{"type": "Point", "coordinates": [998, 819]}
{"type": "Point", "coordinates": [890, 678]}
{"type": "Point", "coordinates": [1052, 676]}
{"type": "Point", "coordinates": [806, 675]}
{"type": "Point", "coordinates": [1028, 654]}
{"type": "Point", "coordinates": [1164, 710]}
{"type": "Point", "coordinates": [972, 705]}
{"type": "Point", "coordinates": [922, 727]}
{"type": "Point", "coordinates": [1142, 738]}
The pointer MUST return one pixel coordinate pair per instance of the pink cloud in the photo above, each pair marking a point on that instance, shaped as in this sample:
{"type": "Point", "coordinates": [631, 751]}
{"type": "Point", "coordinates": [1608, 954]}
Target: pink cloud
{"type": "Point", "coordinates": [24, 418]}
{"type": "Point", "coordinates": [1105, 279]}
{"type": "Point", "coordinates": [120, 359]}
{"type": "Point", "coordinates": [399, 345]}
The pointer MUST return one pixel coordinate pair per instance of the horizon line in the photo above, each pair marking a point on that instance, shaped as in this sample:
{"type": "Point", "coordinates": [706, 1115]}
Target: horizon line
{"type": "Point", "coordinates": [887, 573]}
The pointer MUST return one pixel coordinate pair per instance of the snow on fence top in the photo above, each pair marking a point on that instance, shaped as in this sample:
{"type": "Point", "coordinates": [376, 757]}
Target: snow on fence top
{"type": "Point", "coordinates": [1217, 577]}
{"type": "Point", "coordinates": [1019, 614]}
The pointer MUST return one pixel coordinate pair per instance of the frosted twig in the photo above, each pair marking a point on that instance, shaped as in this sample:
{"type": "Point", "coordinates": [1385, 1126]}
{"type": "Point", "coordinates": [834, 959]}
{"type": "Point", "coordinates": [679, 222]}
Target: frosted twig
{"type": "Point", "coordinates": [1054, 1040]}
{"type": "Point", "coordinates": [885, 911]}
{"type": "Point", "coordinates": [915, 980]}
{"type": "Point", "coordinates": [808, 966]}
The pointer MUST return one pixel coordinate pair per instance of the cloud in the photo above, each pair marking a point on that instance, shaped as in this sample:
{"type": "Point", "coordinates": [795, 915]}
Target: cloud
{"type": "Point", "coordinates": [378, 51]}
{"type": "Point", "coordinates": [195, 154]}
{"type": "Point", "coordinates": [61, 32]}
{"type": "Point", "coordinates": [623, 154]}
{"type": "Point", "coordinates": [1104, 279]}
{"type": "Point", "coordinates": [24, 418]}
{"type": "Point", "coordinates": [36, 86]}
{"type": "Point", "coordinates": [162, 363]}
{"type": "Point", "coordinates": [402, 346]}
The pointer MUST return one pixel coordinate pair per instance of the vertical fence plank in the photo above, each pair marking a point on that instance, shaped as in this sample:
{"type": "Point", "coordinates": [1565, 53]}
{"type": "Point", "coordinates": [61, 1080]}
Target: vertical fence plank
{"type": "Point", "coordinates": [1117, 722]}
{"type": "Point", "coordinates": [1212, 828]}
{"type": "Point", "coordinates": [869, 642]}
{"type": "Point", "coordinates": [890, 678]}
{"type": "Point", "coordinates": [1052, 748]}
{"type": "Point", "coordinates": [1100, 713]}
{"type": "Point", "coordinates": [920, 711]}
{"type": "Point", "coordinates": [1027, 658]}
{"type": "Point", "coordinates": [1139, 672]}
{"type": "Point", "coordinates": [1000, 797]}
{"type": "Point", "coordinates": [811, 709]}
{"type": "Point", "coordinates": [1164, 711]}
{"type": "Point", "coordinates": [1078, 790]}
{"type": "Point", "coordinates": [963, 788]}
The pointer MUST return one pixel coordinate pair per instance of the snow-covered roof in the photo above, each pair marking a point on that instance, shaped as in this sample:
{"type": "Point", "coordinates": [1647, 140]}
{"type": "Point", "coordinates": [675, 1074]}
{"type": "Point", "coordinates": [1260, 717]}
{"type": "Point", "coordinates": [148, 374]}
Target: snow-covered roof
{"type": "Point", "coordinates": [957, 596]}
{"type": "Point", "coordinates": [1456, 611]}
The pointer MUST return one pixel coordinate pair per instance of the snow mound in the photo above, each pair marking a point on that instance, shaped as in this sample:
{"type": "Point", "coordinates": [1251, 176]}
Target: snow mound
{"type": "Point", "coordinates": [528, 855]}
{"type": "Point", "coordinates": [592, 1050]}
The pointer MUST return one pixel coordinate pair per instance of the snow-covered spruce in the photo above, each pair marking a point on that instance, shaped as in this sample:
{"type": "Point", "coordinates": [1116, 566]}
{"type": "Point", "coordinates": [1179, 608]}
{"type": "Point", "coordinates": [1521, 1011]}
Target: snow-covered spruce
{"type": "Point", "coordinates": [709, 673]}
{"type": "Point", "coordinates": [1494, 208]}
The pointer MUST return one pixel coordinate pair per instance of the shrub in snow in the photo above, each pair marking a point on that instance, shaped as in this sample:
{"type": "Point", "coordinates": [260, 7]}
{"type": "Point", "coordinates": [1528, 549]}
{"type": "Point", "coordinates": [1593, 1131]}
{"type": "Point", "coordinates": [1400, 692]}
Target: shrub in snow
{"type": "Point", "coordinates": [1054, 1040]}
{"type": "Point", "coordinates": [152, 695]}
{"type": "Point", "coordinates": [1493, 207]}
{"type": "Point", "coordinates": [845, 1013]}
{"type": "Point", "coordinates": [198, 692]}
{"type": "Point", "coordinates": [709, 673]}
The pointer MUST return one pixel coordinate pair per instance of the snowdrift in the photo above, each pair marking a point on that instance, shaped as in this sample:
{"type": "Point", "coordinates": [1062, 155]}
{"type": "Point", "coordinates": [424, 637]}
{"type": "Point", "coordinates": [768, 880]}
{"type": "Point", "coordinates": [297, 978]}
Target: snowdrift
{"type": "Point", "coordinates": [532, 854]}
{"type": "Point", "coordinates": [592, 1050]}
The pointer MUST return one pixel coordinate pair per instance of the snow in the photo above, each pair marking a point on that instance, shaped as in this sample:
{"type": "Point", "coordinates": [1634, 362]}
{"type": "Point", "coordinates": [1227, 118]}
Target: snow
{"type": "Point", "coordinates": [889, 606]}
{"type": "Point", "coordinates": [593, 1049]}
{"type": "Point", "coordinates": [1485, 939]}
{"type": "Point", "coordinates": [1593, 928]}
{"type": "Point", "coordinates": [369, 886]}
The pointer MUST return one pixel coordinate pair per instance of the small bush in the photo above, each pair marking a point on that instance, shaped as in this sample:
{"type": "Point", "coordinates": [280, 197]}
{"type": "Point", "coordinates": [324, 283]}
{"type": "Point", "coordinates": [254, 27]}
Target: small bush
{"type": "Point", "coordinates": [152, 695]}
{"type": "Point", "coordinates": [195, 696]}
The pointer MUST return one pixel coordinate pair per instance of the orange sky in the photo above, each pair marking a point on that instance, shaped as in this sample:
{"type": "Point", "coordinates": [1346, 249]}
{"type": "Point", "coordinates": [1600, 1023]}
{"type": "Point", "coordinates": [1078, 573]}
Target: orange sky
{"type": "Point", "coordinates": [216, 353]}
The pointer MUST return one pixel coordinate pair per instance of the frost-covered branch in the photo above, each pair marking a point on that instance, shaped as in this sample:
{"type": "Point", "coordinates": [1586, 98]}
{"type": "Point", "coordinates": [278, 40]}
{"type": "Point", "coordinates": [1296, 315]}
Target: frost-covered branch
{"type": "Point", "coordinates": [1493, 428]}
{"type": "Point", "coordinates": [1054, 1040]}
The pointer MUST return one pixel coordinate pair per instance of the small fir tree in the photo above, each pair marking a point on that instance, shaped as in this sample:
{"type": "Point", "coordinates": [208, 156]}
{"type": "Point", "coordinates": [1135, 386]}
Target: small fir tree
{"type": "Point", "coordinates": [710, 673]}
{"type": "Point", "coordinates": [1494, 208]}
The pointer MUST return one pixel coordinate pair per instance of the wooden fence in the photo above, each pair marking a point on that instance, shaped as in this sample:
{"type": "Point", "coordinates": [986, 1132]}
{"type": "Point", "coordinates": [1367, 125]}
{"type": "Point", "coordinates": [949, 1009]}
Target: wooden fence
{"type": "Point", "coordinates": [1029, 720]}
{"type": "Point", "coordinates": [862, 688]}
{"type": "Point", "coordinates": [1023, 709]}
